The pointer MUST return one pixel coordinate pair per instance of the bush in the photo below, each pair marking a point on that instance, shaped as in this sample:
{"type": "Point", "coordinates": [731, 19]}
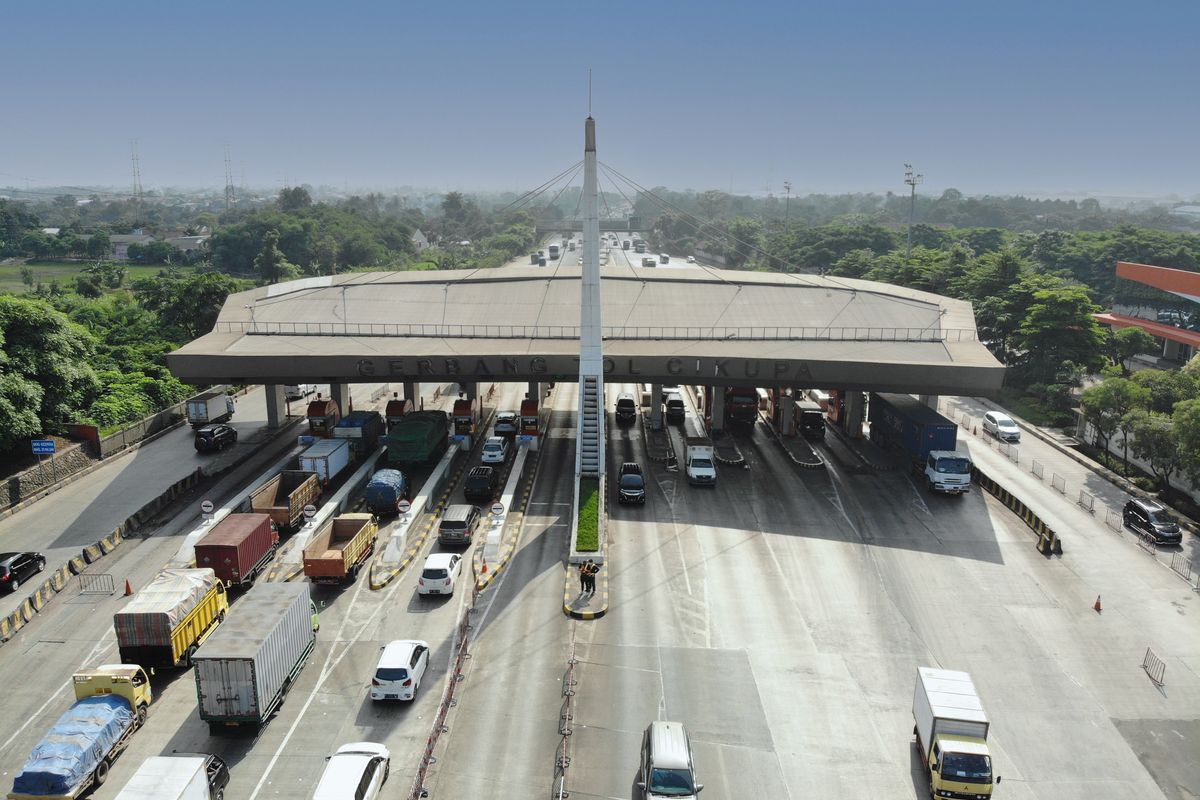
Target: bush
{"type": "Point", "coordinates": [589, 515]}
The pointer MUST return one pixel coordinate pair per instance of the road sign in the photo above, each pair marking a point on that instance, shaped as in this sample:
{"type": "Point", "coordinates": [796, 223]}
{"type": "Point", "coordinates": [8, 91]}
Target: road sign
{"type": "Point", "coordinates": [207, 507]}
{"type": "Point", "coordinates": [310, 511]}
{"type": "Point", "coordinates": [43, 447]}
{"type": "Point", "coordinates": [497, 508]}
{"type": "Point", "coordinates": [403, 506]}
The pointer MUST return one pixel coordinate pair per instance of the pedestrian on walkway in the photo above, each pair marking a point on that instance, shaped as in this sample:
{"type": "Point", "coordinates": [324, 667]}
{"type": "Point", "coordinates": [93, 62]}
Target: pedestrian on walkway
{"type": "Point", "coordinates": [583, 578]}
{"type": "Point", "coordinates": [590, 570]}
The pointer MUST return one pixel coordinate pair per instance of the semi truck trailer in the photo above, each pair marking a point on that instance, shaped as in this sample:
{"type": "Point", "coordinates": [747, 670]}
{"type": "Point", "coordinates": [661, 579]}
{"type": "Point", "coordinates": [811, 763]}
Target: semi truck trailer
{"type": "Point", "coordinates": [238, 548]}
{"type": "Point", "coordinates": [901, 422]}
{"type": "Point", "coordinates": [178, 777]}
{"type": "Point", "coordinates": [209, 408]}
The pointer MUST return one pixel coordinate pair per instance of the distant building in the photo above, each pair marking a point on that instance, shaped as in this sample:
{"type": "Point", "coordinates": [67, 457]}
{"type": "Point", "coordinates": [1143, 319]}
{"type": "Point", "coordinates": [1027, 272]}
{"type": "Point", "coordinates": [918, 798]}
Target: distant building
{"type": "Point", "coordinates": [51, 231]}
{"type": "Point", "coordinates": [121, 242]}
{"type": "Point", "coordinates": [188, 245]}
{"type": "Point", "coordinates": [1191, 212]}
{"type": "Point", "coordinates": [1177, 329]}
{"type": "Point", "coordinates": [420, 241]}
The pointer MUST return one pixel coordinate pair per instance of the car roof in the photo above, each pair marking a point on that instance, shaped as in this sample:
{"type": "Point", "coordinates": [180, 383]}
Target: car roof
{"type": "Point", "coordinates": [494, 440]}
{"type": "Point", "coordinates": [668, 742]}
{"type": "Point", "coordinates": [1148, 505]}
{"type": "Point", "coordinates": [458, 511]}
{"type": "Point", "coordinates": [480, 470]}
{"type": "Point", "coordinates": [506, 414]}
{"type": "Point", "coordinates": [440, 560]}
{"type": "Point", "coordinates": [399, 651]}
{"type": "Point", "coordinates": [625, 396]}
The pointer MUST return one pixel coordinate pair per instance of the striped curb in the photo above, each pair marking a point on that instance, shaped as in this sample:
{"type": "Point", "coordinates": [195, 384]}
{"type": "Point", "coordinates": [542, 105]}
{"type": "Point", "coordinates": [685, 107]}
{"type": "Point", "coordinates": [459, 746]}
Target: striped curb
{"type": "Point", "coordinates": [1048, 541]}
{"type": "Point", "coordinates": [819, 464]}
{"type": "Point", "coordinates": [513, 528]}
{"type": "Point", "coordinates": [92, 553]}
{"type": "Point", "coordinates": [569, 594]}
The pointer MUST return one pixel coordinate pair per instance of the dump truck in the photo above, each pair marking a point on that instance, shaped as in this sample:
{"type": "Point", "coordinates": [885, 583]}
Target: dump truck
{"type": "Point", "coordinates": [467, 413]}
{"type": "Point", "coordinates": [111, 703]}
{"type": "Point", "coordinates": [322, 414]}
{"type": "Point", "coordinates": [338, 550]}
{"type": "Point", "coordinates": [395, 409]}
{"type": "Point", "coordinates": [244, 671]}
{"type": "Point", "coordinates": [327, 458]}
{"type": "Point", "coordinates": [951, 729]}
{"type": "Point", "coordinates": [418, 438]}
{"type": "Point", "coordinates": [285, 496]}
{"type": "Point", "coordinates": [165, 622]}
{"type": "Point", "coordinates": [178, 777]}
{"type": "Point", "coordinates": [741, 404]}
{"type": "Point", "coordinates": [700, 466]}
{"type": "Point", "coordinates": [362, 430]}
{"type": "Point", "coordinates": [925, 437]}
{"type": "Point", "coordinates": [210, 408]}
{"type": "Point", "coordinates": [238, 548]}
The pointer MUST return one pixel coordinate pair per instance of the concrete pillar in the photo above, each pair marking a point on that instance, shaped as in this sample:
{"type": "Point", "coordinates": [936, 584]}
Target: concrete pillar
{"type": "Point", "coordinates": [853, 414]}
{"type": "Point", "coordinates": [930, 400]}
{"type": "Point", "coordinates": [276, 405]}
{"type": "Point", "coordinates": [340, 393]}
{"type": "Point", "coordinates": [656, 410]}
{"type": "Point", "coordinates": [534, 391]}
{"type": "Point", "coordinates": [1172, 351]}
{"type": "Point", "coordinates": [412, 391]}
{"type": "Point", "coordinates": [469, 390]}
{"type": "Point", "coordinates": [779, 410]}
{"type": "Point", "coordinates": [717, 393]}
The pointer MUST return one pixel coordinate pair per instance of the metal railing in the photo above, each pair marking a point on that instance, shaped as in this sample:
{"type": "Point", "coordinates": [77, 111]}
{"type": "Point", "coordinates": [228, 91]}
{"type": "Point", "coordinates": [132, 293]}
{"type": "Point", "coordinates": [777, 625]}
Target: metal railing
{"type": "Point", "coordinates": [566, 719]}
{"type": "Point", "coordinates": [612, 332]}
{"type": "Point", "coordinates": [1155, 667]}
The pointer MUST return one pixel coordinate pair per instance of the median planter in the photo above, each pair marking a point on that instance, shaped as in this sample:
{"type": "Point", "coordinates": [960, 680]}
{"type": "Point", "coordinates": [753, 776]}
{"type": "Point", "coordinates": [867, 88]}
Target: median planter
{"type": "Point", "coordinates": [587, 521]}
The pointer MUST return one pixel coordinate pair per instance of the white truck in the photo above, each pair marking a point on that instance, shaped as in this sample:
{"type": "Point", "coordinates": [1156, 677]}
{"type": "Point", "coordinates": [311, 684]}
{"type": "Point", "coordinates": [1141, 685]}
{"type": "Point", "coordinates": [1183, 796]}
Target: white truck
{"type": "Point", "coordinates": [178, 777]}
{"type": "Point", "coordinates": [700, 463]}
{"type": "Point", "coordinates": [951, 729]}
{"type": "Point", "coordinates": [210, 408]}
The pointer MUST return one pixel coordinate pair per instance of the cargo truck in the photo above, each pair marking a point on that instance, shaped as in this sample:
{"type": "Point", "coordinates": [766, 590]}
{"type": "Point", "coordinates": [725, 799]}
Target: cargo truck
{"type": "Point", "coordinates": [741, 404]}
{"type": "Point", "coordinates": [809, 419]}
{"type": "Point", "coordinates": [327, 458]}
{"type": "Point", "coordinates": [951, 729]}
{"type": "Point", "coordinates": [178, 777]}
{"type": "Point", "coordinates": [700, 465]}
{"type": "Point", "coordinates": [238, 548]}
{"type": "Point", "coordinates": [418, 438]}
{"type": "Point", "coordinates": [925, 437]}
{"type": "Point", "coordinates": [209, 408]}
{"type": "Point", "coordinates": [111, 703]}
{"type": "Point", "coordinates": [322, 414]}
{"type": "Point", "coordinates": [384, 492]}
{"type": "Point", "coordinates": [284, 497]}
{"type": "Point", "coordinates": [338, 550]}
{"type": "Point", "coordinates": [467, 414]}
{"type": "Point", "coordinates": [165, 622]}
{"type": "Point", "coordinates": [244, 671]}
{"type": "Point", "coordinates": [362, 430]}
{"type": "Point", "coordinates": [553, 252]}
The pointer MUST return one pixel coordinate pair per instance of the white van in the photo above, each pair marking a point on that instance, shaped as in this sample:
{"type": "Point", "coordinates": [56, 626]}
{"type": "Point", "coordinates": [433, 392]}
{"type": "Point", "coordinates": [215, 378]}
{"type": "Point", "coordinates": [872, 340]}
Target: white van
{"type": "Point", "coordinates": [666, 768]}
{"type": "Point", "coordinates": [298, 391]}
{"type": "Point", "coordinates": [401, 666]}
{"type": "Point", "coordinates": [355, 772]}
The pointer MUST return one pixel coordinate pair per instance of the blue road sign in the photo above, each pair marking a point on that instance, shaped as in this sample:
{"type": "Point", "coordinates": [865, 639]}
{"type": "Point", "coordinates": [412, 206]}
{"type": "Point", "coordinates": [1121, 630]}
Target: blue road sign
{"type": "Point", "coordinates": [43, 447]}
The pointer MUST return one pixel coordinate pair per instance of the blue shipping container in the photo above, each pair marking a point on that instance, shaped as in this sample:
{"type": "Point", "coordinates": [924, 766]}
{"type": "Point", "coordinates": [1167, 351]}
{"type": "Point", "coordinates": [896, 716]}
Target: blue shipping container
{"type": "Point", "coordinates": [74, 746]}
{"type": "Point", "coordinates": [901, 421]}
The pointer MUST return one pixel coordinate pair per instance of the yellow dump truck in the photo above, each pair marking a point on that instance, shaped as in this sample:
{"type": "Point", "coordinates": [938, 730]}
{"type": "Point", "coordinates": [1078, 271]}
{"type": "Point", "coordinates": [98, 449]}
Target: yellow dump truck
{"type": "Point", "coordinates": [111, 702]}
{"type": "Point", "coordinates": [170, 618]}
{"type": "Point", "coordinates": [337, 551]}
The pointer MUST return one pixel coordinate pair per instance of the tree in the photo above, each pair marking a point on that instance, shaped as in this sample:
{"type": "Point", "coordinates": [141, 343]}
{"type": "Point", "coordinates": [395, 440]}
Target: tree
{"type": "Point", "coordinates": [1187, 429]}
{"type": "Point", "coordinates": [99, 245]}
{"type": "Point", "coordinates": [187, 305]}
{"type": "Point", "coordinates": [1126, 343]}
{"type": "Point", "coordinates": [744, 240]}
{"type": "Point", "coordinates": [327, 255]}
{"type": "Point", "coordinates": [20, 402]}
{"type": "Point", "coordinates": [1155, 442]}
{"type": "Point", "coordinates": [1167, 387]}
{"type": "Point", "coordinates": [87, 286]}
{"type": "Point", "coordinates": [27, 275]}
{"type": "Point", "coordinates": [1108, 406]}
{"type": "Point", "coordinates": [1058, 328]}
{"type": "Point", "coordinates": [271, 265]}
{"type": "Point", "coordinates": [294, 198]}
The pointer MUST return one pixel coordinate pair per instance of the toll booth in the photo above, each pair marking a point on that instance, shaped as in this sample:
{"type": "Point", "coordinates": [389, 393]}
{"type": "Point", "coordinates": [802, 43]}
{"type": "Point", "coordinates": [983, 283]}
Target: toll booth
{"type": "Point", "coordinates": [531, 421]}
{"type": "Point", "coordinates": [323, 415]}
{"type": "Point", "coordinates": [467, 412]}
{"type": "Point", "coordinates": [396, 409]}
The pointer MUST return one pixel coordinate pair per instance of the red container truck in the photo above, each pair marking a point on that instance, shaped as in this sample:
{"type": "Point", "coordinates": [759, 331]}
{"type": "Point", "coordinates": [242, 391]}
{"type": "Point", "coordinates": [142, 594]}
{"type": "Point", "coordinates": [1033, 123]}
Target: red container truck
{"type": "Point", "coordinates": [240, 547]}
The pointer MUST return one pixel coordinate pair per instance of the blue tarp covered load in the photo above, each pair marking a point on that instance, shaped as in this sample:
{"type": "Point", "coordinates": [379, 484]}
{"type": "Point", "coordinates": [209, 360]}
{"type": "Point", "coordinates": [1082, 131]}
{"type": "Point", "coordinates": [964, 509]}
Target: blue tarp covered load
{"type": "Point", "coordinates": [386, 488]}
{"type": "Point", "coordinates": [74, 746]}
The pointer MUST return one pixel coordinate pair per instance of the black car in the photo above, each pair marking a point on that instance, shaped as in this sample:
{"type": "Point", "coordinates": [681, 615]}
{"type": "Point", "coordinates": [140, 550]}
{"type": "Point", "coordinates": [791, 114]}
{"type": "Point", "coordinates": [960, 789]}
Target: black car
{"type": "Point", "coordinates": [626, 410]}
{"type": "Point", "coordinates": [631, 485]}
{"type": "Point", "coordinates": [215, 437]}
{"type": "Point", "coordinates": [1150, 520]}
{"type": "Point", "coordinates": [16, 568]}
{"type": "Point", "coordinates": [480, 485]}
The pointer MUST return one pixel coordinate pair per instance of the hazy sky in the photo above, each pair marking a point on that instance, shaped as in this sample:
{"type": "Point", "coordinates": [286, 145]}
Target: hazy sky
{"type": "Point", "coordinates": [1097, 97]}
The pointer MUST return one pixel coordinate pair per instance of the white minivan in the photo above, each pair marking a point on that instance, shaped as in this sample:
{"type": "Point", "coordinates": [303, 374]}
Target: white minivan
{"type": "Point", "coordinates": [401, 666]}
{"type": "Point", "coordinates": [355, 772]}
{"type": "Point", "coordinates": [298, 391]}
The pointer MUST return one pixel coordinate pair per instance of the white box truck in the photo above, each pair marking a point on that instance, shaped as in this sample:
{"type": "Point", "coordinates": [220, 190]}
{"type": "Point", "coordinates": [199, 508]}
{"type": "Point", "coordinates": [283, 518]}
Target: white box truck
{"type": "Point", "coordinates": [210, 408]}
{"type": "Point", "coordinates": [951, 729]}
{"type": "Point", "coordinates": [178, 777]}
{"type": "Point", "coordinates": [700, 463]}
{"type": "Point", "coordinates": [327, 458]}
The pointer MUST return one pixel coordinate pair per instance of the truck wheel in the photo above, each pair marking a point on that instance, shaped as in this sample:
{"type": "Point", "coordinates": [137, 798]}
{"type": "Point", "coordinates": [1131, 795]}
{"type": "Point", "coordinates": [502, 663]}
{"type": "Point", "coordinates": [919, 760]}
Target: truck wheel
{"type": "Point", "coordinates": [41, 564]}
{"type": "Point", "coordinates": [101, 773]}
{"type": "Point", "coordinates": [142, 713]}
{"type": "Point", "coordinates": [187, 657]}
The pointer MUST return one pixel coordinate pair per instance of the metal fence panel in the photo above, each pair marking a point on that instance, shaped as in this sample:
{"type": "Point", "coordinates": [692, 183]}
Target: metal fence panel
{"type": "Point", "coordinates": [1037, 468]}
{"type": "Point", "coordinates": [1059, 482]}
{"type": "Point", "coordinates": [1087, 502]}
{"type": "Point", "coordinates": [102, 583]}
{"type": "Point", "coordinates": [1155, 667]}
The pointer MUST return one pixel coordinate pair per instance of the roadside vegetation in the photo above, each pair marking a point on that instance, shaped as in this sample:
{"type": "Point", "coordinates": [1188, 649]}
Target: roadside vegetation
{"type": "Point", "coordinates": [588, 538]}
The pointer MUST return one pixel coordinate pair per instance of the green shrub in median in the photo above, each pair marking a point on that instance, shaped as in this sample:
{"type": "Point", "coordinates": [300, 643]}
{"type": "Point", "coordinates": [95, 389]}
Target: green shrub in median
{"type": "Point", "coordinates": [588, 538]}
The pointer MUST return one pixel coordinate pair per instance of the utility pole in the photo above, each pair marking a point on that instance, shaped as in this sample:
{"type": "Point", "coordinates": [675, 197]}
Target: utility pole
{"type": "Point", "coordinates": [912, 179]}
{"type": "Point", "coordinates": [230, 193]}
{"type": "Point", "coordinates": [787, 203]}
{"type": "Point", "coordinates": [137, 186]}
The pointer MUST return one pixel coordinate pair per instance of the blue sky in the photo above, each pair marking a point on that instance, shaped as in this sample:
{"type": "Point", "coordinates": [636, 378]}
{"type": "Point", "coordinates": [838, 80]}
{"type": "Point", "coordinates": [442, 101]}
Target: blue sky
{"type": "Point", "coordinates": [988, 97]}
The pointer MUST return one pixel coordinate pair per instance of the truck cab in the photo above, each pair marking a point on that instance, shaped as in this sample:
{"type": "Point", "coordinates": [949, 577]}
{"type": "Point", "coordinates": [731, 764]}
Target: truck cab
{"type": "Point", "coordinates": [124, 680]}
{"type": "Point", "coordinates": [948, 471]}
{"type": "Point", "coordinates": [741, 404]}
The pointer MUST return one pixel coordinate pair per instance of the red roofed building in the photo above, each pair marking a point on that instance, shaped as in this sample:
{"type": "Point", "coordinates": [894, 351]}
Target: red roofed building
{"type": "Point", "coordinates": [1179, 330]}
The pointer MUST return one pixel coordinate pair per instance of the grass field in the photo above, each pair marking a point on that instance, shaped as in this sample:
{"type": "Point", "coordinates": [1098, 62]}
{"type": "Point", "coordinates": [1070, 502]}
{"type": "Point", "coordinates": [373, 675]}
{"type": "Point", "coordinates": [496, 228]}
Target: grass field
{"type": "Point", "coordinates": [64, 272]}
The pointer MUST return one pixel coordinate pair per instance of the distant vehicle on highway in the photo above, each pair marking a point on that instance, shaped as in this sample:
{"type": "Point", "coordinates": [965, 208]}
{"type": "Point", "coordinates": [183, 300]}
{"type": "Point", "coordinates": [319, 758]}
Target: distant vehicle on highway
{"type": "Point", "coordinates": [663, 258]}
{"type": "Point", "coordinates": [541, 262]}
{"type": "Point", "coordinates": [355, 772]}
{"type": "Point", "coordinates": [1001, 426]}
{"type": "Point", "coordinates": [298, 391]}
{"type": "Point", "coordinates": [215, 437]}
{"type": "Point", "coordinates": [649, 262]}
{"type": "Point", "coordinates": [16, 568]}
{"type": "Point", "coordinates": [691, 260]}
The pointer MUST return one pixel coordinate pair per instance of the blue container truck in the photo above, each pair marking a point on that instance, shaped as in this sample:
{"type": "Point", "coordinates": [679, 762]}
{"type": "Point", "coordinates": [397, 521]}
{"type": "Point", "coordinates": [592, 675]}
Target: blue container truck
{"type": "Point", "coordinates": [901, 422]}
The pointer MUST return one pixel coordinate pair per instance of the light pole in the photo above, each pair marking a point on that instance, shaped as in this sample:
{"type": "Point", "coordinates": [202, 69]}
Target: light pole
{"type": "Point", "coordinates": [912, 179]}
{"type": "Point", "coordinates": [787, 203]}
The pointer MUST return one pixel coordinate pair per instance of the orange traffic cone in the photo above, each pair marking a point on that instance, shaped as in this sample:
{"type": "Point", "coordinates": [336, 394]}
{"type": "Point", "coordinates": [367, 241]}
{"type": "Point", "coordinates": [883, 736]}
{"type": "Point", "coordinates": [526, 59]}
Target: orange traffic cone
{"type": "Point", "coordinates": [484, 571]}
{"type": "Point", "coordinates": [128, 588]}
{"type": "Point", "coordinates": [1097, 606]}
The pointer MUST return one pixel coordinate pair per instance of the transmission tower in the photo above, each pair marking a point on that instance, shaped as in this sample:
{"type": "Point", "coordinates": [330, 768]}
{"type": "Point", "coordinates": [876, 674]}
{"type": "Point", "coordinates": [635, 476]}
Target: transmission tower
{"type": "Point", "coordinates": [913, 180]}
{"type": "Point", "coordinates": [137, 186]}
{"type": "Point", "coordinates": [230, 192]}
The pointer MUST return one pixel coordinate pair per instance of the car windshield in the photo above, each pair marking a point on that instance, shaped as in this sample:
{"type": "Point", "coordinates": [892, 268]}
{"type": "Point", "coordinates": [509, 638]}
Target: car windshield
{"type": "Point", "coordinates": [954, 466]}
{"type": "Point", "coordinates": [631, 481]}
{"type": "Point", "coordinates": [391, 674]}
{"type": "Point", "coordinates": [491, 447]}
{"type": "Point", "coordinates": [967, 767]}
{"type": "Point", "coordinates": [701, 462]}
{"type": "Point", "coordinates": [671, 782]}
{"type": "Point", "coordinates": [1161, 517]}
{"type": "Point", "coordinates": [435, 574]}
{"type": "Point", "coordinates": [742, 400]}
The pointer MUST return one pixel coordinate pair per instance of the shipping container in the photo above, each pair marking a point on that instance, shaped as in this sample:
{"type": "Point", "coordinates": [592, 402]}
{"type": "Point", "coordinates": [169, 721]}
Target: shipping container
{"type": "Point", "coordinates": [902, 422]}
{"type": "Point", "coordinates": [238, 548]}
{"type": "Point", "coordinates": [177, 777]}
{"type": "Point", "coordinates": [285, 496]}
{"type": "Point", "coordinates": [244, 670]}
{"type": "Point", "coordinates": [209, 408]}
{"type": "Point", "coordinates": [327, 458]}
{"type": "Point", "coordinates": [336, 552]}
{"type": "Point", "coordinates": [170, 617]}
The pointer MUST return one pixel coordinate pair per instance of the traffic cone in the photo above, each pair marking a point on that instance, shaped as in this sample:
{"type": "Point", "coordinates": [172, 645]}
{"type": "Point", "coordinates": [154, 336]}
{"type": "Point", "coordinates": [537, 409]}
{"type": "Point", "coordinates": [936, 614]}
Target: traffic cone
{"type": "Point", "coordinates": [484, 570]}
{"type": "Point", "coordinates": [128, 588]}
{"type": "Point", "coordinates": [1097, 606]}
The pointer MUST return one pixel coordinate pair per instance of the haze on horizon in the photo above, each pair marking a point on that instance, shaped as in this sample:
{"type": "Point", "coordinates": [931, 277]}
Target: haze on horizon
{"type": "Point", "coordinates": [1021, 97]}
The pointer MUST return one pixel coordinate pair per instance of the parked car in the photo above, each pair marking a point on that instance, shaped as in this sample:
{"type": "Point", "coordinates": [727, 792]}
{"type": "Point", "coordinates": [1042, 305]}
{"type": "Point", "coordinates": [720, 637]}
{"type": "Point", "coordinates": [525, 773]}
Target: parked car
{"type": "Point", "coordinates": [495, 450]}
{"type": "Point", "coordinates": [631, 485]}
{"type": "Point", "coordinates": [507, 423]}
{"type": "Point", "coordinates": [1001, 426]}
{"type": "Point", "coordinates": [215, 437]}
{"type": "Point", "coordinates": [481, 485]}
{"type": "Point", "coordinates": [440, 573]}
{"type": "Point", "coordinates": [402, 664]}
{"type": "Point", "coordinates": [16, 568]}
{"type": "Point", "coordinates": [356, 771]}
{"type": "Point", "coordinates": [1150, 520]}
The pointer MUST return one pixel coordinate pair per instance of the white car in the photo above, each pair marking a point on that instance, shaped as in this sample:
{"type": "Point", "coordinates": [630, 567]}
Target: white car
{"type": "Point", "coordinates": [355, 772]}
{"type": "Point", "coordinates": [401, 666]}
{"type": "Point", "coordinates": [495, 450]}
{"type": "Point", "coordinates": [691, 259]}
{"type": "Point", "coordinates": [1001, 426]}
{"type": "Point", "coordinates": [440, 573]}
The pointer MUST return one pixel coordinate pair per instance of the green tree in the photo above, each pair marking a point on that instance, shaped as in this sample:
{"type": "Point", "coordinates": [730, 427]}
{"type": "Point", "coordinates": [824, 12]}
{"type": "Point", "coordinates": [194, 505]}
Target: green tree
{"type": "Point", "coordinates": [87, 286]}
{"type": "Point", "coordinates": [1109, 407]}
{"type": "Point", "coordinates": [745, 239]}
{"type": "Point", "coordinates": [27, 275]}
{"type": "Point", "coordinates": [1187, 428]}
{"type": "Point", "coordinates": [271, 265]}
{"type": "Point", "coordinates": [1057, 328]}
{"type": "Point", "coordinates": [186, 305]}
{"type": "Point", "coordinates": [294, 198]}
{"type": "Point", "coordinates": [99, 245]}
{"type": "Point", "coordinates": [1126, 343]}
{"type": "Point", "coordinates": [1155, 442]}
{"type": "Point", "coordinates": [1167, 387]}
{"type": "Point", "coordinates": [327, 255]}
{"type": "Point", "coordinates": [20, 402]}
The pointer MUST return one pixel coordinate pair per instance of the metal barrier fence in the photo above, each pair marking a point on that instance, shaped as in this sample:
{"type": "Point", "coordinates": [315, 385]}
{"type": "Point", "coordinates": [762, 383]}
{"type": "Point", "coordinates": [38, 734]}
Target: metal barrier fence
{"type": "Point", "coordinates": [1181, 566]}
{"type": "Point", "coordinates": [102, 583]}
{"type": "Point", "coordinates": [1087, 502]}
{"type": "Point", "coordinates": [1037, 469]}
{"type": "Point", "coordinates": [688, 333]}
{"type": "Point", "coordinates": [1010, 451]}
{"type": "Point", "coordinates": [566, 718]}
{"type": "Point", "coordinates": [1059, 482]}
{"type": "Point", "coordinates": [1155, 667]}
{"type": "Point", "coordinates": [1113, 520]}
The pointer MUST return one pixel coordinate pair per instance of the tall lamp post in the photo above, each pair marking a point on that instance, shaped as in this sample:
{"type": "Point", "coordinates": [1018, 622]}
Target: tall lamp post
{"type": "Point", "coordinates": [912, 179]}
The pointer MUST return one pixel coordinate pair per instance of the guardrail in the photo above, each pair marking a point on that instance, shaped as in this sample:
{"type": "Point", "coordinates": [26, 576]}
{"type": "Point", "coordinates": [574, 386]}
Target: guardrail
{"type": "Point", "coordinates": [566, 718]}
{"type": "Point", "coordinates": [613, 332]}
{"type": "Point", "coordinates": [1156, 668]}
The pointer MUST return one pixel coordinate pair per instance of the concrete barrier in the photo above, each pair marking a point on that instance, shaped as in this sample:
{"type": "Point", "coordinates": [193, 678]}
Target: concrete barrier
{"type": "Point", "coordinates": [1048, 540]}
{"type": "Point", "coordinates": [77, 564]}
{"type": "Point", "coordinates": [60, 577]}
{"type": "Point", "coordinates": [92, 553]}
